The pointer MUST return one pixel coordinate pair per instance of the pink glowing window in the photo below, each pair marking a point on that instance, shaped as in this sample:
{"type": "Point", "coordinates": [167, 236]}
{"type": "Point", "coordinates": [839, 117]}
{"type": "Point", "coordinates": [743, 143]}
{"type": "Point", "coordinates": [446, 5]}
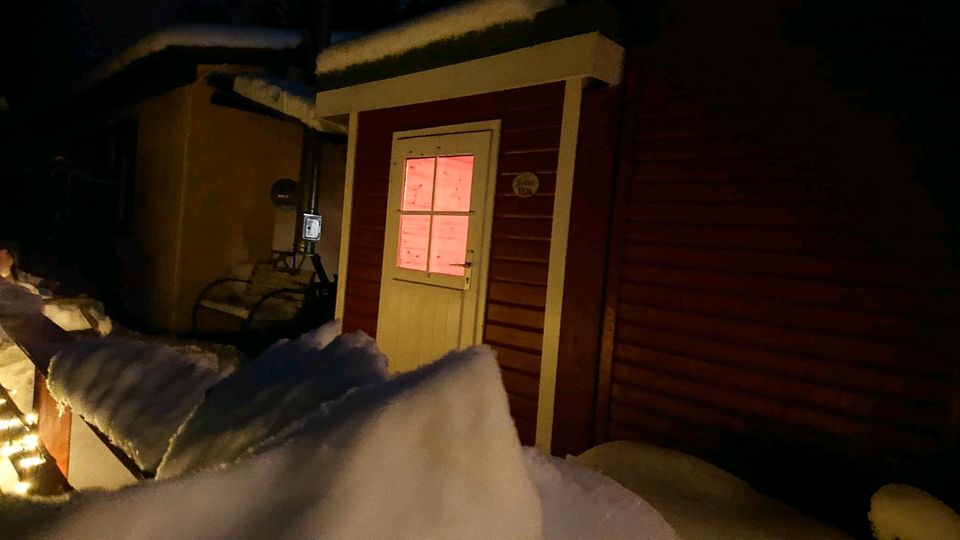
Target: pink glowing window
{"type": "Point", "coordinates": [418, 184]}
{"type": "Point", "coordinates": [435, 214]}
{"type": "Point", "coordinates": [454, 175]}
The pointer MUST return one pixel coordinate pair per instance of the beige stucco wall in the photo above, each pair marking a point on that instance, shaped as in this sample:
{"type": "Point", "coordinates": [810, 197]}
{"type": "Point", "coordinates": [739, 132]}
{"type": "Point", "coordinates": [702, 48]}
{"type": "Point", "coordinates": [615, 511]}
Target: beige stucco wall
{"type": "Point", "coordinates": [202, 200]}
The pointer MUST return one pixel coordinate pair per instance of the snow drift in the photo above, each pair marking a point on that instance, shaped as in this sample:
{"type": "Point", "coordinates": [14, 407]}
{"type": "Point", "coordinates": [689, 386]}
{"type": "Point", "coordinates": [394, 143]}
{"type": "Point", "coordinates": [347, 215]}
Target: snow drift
{"type": "Point", "coordinates": [899, 511]}
{"type": "Point", "coordinates": [137, 393]}
{"type": "Point", "coordinates": [698, 499]}
{"type": "Point", "coordinates": [580, 503]}
{"type": "Point", "coordinates": [284, 384]}
{"type": "Point", "coordinates": [429, 454]}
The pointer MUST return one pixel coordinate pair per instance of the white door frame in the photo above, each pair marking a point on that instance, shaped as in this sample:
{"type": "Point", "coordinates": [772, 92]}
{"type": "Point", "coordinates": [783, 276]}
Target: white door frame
{"type": "Point", "coordinates": [482, 259]}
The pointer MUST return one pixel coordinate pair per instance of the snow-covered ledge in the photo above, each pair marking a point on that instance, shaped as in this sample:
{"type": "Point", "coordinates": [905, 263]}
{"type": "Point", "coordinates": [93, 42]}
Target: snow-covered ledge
{"type": "Point", "coordinates": [443, 24]}
{"type": "Point", "coordinates": [590, 55]}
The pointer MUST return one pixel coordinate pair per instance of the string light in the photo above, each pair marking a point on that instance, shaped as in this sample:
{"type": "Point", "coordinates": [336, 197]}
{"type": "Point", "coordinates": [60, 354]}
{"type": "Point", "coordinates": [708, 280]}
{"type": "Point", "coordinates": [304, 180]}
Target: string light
{"type": "Point", "coordinates": [17, 438]}
{"type": "Point", "coordinates": [31, 461]}
{"type": "Point", "coordinates": [31, 441]}
{"type": "Point", "coordinates": [10, 423]}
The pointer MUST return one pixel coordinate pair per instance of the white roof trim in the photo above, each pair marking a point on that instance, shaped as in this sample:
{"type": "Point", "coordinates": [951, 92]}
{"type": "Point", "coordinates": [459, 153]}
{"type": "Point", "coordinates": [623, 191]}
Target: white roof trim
{"type": "Point", "coordinates": [288, 97]}
{"type": "Point", "coordinates": [585, 56]}
{"type": "Point", "coordinates": [195, 35]}
{"type": "Point", "coordinates": [443, 24]}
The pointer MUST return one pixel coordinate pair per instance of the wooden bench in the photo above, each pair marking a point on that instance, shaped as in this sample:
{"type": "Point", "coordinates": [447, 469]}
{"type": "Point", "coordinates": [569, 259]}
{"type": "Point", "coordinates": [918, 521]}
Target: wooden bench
{"type": "Point", "coordinates": [274, 294]}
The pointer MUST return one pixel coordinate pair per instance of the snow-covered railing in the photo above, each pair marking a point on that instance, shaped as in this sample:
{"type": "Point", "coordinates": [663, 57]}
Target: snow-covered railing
{"type": "Point", "coordinates": [37, 469]}
{"type": "Point", "coordinates": [40, 339]}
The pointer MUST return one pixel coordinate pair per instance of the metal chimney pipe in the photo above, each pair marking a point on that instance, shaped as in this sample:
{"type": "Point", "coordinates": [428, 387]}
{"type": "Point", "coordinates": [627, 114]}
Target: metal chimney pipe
{"type": "Point", "coordinates": [310, 188]}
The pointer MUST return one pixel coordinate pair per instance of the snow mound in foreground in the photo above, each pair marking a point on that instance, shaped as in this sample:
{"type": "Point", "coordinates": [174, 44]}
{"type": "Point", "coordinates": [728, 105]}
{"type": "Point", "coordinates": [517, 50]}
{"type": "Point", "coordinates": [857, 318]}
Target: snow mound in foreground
{"type": "Point", "coordinates": [138, 394]}
{"type": "Point", "coordinates": [899, 511]}
{"type": "Point", "coordinates": [429, 454]}
{"type": "Point", "coordinates": [698, 499]}
{"type": "Point", "coordinates": [580, 503]}
{"type": "Point", "coordinates": [281, 386]}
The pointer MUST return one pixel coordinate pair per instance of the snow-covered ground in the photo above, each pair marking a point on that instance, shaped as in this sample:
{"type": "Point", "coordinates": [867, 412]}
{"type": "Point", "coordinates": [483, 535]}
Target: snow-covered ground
{"type": "Point", "coordinates": [902, 512]}
{"type": "Point", "coordinates": [426, 454]}
{"type": "Point", "coordinates": [700, 500]}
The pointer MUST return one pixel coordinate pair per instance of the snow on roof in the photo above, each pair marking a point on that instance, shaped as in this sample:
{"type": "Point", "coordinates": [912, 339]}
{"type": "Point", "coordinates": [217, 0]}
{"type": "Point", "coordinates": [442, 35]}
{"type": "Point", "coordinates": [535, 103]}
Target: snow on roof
{"type": "Point", "coordinates": [291, 98]}
{"type": "Point", "coordinates": [199, 36]}
{"type": "Point", "coordinates": [448, 23]}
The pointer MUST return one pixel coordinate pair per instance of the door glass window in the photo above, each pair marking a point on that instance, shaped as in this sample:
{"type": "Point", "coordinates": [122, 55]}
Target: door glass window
{"type": "Point", "coordinates": [435, 214]}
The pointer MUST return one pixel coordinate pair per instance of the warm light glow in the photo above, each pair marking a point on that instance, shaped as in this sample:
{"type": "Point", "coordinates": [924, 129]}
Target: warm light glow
{"type": "Point", "coordinates": [432, 236]}
{"type": "Point", "coordinates": [22, 487]}
{"type": "Point", "coordinates": [414, 242]}
{"type": "Point", "coordinates": [32, 418]}
{"type": "Point", "coordinates": [448, 244]}
{"type": "Point", "coordinates": [10, 449]}
{"type": "Point", "coordinates": [31, 461]}
{"type": "Point", "coordinates": [2, 401]}
{"type": "Point", "coordinates": [418, 185]}
{"type": "Point", "coordinates": [453, 184]}
{"type": "Point", "coordinates": [10, 423]}
{"type": "Point", "coordinates": [30, 442]}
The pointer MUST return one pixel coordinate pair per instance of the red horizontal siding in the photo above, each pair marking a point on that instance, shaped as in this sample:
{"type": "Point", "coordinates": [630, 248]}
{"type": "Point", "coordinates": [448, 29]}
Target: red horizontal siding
{"type": "Point", "coordinates": [765, 296]}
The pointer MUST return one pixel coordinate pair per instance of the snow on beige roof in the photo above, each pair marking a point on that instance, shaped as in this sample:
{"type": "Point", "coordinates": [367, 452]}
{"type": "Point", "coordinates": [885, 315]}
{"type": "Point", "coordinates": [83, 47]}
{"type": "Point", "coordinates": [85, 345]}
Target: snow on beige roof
{"type": "Point", "coordinates": [448, 23]}
{"type": "Point", "coordinates": [288, 97]}
{"type": "Point", "coordinates": [196, 35]}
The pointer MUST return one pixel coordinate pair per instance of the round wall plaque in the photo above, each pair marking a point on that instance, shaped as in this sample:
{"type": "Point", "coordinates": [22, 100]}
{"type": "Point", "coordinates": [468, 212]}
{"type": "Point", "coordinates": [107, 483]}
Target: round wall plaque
{"type": "Point", "coordinates": [526, 184]}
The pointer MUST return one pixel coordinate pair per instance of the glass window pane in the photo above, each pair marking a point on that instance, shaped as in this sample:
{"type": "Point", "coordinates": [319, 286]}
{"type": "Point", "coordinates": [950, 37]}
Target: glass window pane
{"type": "Point", "coordinates": [454, 179]}
{"type": "Point", "coordinates": [414, 238]}
{"type": "Point", "coordinates": [418, 184]}
{"type": "Point", "coordinates": [449, 244]}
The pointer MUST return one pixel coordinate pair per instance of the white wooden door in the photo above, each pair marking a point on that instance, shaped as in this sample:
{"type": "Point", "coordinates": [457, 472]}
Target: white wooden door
{"type": "Point", "coordinates": [433, 253]}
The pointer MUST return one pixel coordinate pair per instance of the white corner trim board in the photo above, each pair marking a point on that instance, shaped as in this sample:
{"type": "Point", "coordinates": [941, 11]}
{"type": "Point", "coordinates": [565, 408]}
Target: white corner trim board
{"type": "Point", "coordinates": [347, 214]}
{"type": "Point", "coordinates": [589, 55]}
{"type": "Point", "coordinates": [560, 230]}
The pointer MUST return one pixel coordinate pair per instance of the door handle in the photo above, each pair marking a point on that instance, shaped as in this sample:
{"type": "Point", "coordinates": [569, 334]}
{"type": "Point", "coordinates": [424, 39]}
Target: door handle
{"type": "Point", "coordinates": [463, 265]}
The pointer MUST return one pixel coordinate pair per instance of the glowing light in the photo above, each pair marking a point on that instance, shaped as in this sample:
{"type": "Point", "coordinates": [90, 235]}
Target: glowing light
{"type": "Point", "coordinates": [22, 487]}
{"type": "Point", "coordinates": [9, 423]}
{"type": "Point", "coordinates": [3, 401]}
{"type": "Point", "coordinates": [10, 449]}
{"type": "Point", "coordinates": [32, 418]}
{"type": "Point", "coordinates": [31, 461]}
{"type": "Point", "coordinates": [30, 442]}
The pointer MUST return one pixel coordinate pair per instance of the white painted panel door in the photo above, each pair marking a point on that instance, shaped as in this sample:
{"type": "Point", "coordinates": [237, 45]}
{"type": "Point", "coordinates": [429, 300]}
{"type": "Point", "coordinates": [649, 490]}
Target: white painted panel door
{"type": "Point", "coordinates": [434, 245]}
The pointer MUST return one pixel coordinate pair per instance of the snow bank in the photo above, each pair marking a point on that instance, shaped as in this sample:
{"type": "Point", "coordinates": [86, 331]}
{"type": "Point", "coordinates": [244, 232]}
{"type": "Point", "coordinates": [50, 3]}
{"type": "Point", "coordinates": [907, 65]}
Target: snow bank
{"type": "Point", "coordinates": [196, 35]}
{"type": "Point", "coordinates": [903, 512]}
{"type": "Point", "coordinates": [138, 394]}
{"type": "Point", "coordinates": [280, 387]}
{"type": "Point", "coordinates": [580, 503]}
{"type": "Point", "coordinates": [291, 98]}
{"type": "Point", "coordinates": [72, 317]}
{"type": "Point", "coordinates": [443, 24]}
{"type": "Point", "coordinates": [429, 454]}
{"type": "Point", "coordinates": [16, 300]}
{"type": "Point", "coordinates": [698, 499]}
